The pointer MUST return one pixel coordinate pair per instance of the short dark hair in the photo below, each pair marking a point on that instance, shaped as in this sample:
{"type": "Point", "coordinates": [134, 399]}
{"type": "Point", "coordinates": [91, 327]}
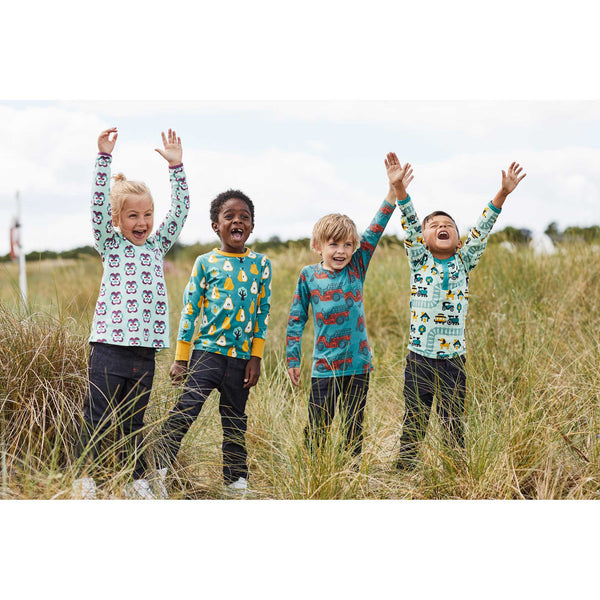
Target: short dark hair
{"type": "Point", "coordinates": [437, 213]}
{"type": "Point", "coordinates": [217, 204]}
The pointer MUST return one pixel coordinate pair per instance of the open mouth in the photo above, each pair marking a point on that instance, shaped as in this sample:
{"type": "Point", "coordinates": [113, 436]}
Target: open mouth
{"type": "Point", "coordinates": [139, 235]}
{"type": "Point", "coordinates": [237, 234]}
{"type": "Point", "coordinates": [443, 235]}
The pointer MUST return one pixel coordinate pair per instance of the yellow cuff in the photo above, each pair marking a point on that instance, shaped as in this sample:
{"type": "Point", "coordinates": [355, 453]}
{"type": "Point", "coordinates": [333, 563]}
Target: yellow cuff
{"type": "Point", "coordinates": [258, 346]}
{"type": "Point", "coordinates": [182, 351]}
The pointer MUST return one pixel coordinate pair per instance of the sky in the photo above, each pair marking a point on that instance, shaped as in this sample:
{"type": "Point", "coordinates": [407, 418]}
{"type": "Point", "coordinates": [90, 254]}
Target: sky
{"type": "Point", "coordinates": [297, 105]}
{"type": "Point", "coordinates": [299, 114]}
{"type": "Point", "coordinates": [299, 160]}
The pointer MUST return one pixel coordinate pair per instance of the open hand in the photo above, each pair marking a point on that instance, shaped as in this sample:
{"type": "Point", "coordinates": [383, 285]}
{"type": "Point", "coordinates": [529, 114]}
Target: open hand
{"type": "Point", "coordinates": [397, 174]}
{"type": "Point", "coordinates": [173, 152]}
{"type": "Point", "coordinates": [512, 179]}
{"type": "Point", "coordinates": [106, 144]}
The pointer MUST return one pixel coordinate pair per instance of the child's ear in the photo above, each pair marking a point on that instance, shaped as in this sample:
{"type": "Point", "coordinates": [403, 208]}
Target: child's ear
{"type": "Point", "coordinates": [459, 245]}
{"type": "Point", "coordinates": [215, 227]}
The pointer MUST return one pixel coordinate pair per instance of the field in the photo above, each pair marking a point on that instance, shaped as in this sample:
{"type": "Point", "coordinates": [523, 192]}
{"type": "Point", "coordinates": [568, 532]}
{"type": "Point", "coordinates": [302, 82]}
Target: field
{"type": "Point", "coordinates": [533, 412]}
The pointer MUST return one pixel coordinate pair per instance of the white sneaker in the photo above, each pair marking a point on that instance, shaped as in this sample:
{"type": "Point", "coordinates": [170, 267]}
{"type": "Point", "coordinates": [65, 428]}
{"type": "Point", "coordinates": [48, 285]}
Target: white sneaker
{"type": "Point", "coordinates": [241, 485]}
{"type": "Point", "coordinates": [158, 482]}
{"type": "Point", "coordinates": [138, 490]}
{"type": "Point", "coordinates": [84, 489]}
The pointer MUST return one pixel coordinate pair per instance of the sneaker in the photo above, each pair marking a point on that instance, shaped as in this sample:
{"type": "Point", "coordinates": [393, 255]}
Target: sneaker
{"type": "Point", "coordinates": [158, 482]}
{"type": "Point", "coordinates": [84, 489]}
{"type": "Point", "coordinates": [138, 490]}
{"type": "Point", "coordinates": [241, 485]}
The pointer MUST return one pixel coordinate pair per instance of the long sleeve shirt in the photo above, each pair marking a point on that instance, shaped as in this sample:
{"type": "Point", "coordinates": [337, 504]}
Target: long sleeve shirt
{"type": "Point", "coordinates": [336, 297]}
{"type": "Point", "coordinates": [132, 307]}
{"type": "Point", "coordinates": [230, 295]}
{"type": "Point", "coordinates": [440, 288]}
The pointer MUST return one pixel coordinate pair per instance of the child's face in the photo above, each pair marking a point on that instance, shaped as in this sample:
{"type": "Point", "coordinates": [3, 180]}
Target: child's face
{"type": "Point", "coordinates": [234, 226]}
{"type": "Point", "coordinates": [136, 218]}
{"type": "Point", "coordinates": [336, 255]}
{"type": "Point", "coordinates": [441, 237]}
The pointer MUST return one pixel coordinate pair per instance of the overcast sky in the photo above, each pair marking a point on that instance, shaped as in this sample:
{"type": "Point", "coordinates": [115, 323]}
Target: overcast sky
{"type": "Point", "coordinates": [299, 160]}
{"type": "Point", "coordinates": [299, 108]}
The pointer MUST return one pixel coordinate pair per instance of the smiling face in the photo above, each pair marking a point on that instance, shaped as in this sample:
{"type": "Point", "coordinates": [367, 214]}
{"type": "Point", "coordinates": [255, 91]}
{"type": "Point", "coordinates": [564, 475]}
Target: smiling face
{"type": "Point", "coordinates": [336, 255]}
{"type": "Point", "coordinates": [234, 226]}
{"type": "Point", "coordinates": [136, 218]}
{"type": "Point", "coordinates": [441, 236]}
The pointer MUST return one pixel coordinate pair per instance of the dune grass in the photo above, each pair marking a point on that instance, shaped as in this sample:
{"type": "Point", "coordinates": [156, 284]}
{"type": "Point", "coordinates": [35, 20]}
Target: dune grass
{"type": "Point", "coordinates": [532, 417]}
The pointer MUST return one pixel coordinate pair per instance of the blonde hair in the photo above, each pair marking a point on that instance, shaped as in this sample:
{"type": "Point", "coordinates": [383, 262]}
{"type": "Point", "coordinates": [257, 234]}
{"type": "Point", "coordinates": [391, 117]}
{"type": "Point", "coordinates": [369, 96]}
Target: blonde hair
{"type": "Point", "coordinates": [122, 188]}
{"type": "Point", "coordinates": [334, 227]}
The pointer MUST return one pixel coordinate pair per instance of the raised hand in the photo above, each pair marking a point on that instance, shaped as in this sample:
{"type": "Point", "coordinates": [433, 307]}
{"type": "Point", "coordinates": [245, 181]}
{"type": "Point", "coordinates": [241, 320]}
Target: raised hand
{"type": "Point", "coordinates": [173, 152]}
{"type": "Point", "coordinates": [512, 179]}
{"type": "Point", "coordinates": [106, 144]}
{"type": "Point", "coordinates": [398, 174]}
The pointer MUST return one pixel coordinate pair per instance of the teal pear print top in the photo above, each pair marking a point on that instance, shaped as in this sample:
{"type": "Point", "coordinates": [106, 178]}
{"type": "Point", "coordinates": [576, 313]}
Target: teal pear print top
{"type": "Point", "coordinates": [227, 300]}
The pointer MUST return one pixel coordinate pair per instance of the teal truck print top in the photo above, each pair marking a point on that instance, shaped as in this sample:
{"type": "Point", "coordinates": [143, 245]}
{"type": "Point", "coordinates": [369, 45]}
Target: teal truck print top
{"type": "Point", "coordinates": [336, 298]}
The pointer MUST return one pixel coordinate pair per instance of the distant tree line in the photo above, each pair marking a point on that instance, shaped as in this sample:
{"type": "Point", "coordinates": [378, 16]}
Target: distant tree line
{"type": "Point", "coordinates": [189, 252]}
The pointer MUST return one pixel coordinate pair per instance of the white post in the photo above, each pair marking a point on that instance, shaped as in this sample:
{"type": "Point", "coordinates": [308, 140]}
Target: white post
{"type": "Point", "coordinates": [22, 272]}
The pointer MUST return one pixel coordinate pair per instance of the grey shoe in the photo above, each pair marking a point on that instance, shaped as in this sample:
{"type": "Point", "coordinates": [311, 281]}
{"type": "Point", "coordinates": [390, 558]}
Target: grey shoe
{"type": "Point", "coordinates": [84, 489]}
{"type": "Point", "coordinates": [138, 490]}
{"type": "Point", "coordinates": [158, 483]}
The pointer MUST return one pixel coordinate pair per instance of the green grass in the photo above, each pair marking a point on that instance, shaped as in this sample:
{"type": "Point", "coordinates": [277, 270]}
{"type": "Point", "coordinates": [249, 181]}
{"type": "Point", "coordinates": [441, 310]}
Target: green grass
{"type": "Point", "coordinates": [533, 405]}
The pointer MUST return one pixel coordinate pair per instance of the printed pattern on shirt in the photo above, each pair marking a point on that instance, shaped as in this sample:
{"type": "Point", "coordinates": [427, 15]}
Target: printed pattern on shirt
{"type": "Point", "coordinates": [228, 299]}
{"type": "Point", "coordinates": [341, 345]}
{"type": "Point", "coordinates": [439, 294]}
{"type": "Point", "coordinates": [132, 307]}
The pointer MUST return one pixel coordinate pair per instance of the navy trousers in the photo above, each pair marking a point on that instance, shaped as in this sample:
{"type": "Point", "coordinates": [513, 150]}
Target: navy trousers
{"type": "Point", "coordinates": [324, 391]}
{"type": "Point", "coordinates": [120, 381]}
{"type": "Point", "coordinates": [209, 371]}
{"type": "Point", "coordinates": [423, 378]}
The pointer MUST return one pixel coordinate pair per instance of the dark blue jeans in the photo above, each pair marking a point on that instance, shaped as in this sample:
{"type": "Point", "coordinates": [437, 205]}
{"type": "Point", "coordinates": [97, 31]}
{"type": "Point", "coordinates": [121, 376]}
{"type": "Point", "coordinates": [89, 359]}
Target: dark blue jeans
{"type": "Point", "coordinates": [120, 381]}
{"type": "Point", "coordinates": [324, 391]}
{"type": "Point", "coordinates": [209, 371]}
{"type": "Point", "coordinates": [423, 378]}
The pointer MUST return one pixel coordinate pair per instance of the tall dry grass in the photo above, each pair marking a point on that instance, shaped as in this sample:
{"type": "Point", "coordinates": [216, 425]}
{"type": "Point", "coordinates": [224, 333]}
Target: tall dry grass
{"type": "Point", "coordinates": [532, 418]}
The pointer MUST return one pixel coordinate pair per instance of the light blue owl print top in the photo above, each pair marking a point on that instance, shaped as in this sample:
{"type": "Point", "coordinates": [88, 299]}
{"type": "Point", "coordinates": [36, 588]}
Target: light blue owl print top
{"type": "Point", "coordinates": [440, 288]}
{"type": "Point", "coordinates": [227, 299]}
{"type": "Point", "coordinates": [132, 307]}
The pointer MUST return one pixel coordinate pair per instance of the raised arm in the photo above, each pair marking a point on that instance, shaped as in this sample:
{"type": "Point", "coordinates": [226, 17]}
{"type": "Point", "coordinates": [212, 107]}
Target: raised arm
{"type": "Point", "coordinates": [102, 225]}
{"type": "Point", "coordinates": [510, 180]}
{"type": "Point", "coordinates": [171, 226]}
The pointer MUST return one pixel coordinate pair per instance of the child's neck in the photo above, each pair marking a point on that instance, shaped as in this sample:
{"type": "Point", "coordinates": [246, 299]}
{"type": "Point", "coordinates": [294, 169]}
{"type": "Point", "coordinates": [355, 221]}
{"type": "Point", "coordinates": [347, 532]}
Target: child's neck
{"type": "Point", "coordinates": [231, 250]}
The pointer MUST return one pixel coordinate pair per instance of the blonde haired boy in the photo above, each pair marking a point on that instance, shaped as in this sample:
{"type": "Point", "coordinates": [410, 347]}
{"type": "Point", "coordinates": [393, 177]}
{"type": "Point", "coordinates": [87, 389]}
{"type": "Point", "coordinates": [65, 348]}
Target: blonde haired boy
{"type": "Point", "coordinates": [333, 288]}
